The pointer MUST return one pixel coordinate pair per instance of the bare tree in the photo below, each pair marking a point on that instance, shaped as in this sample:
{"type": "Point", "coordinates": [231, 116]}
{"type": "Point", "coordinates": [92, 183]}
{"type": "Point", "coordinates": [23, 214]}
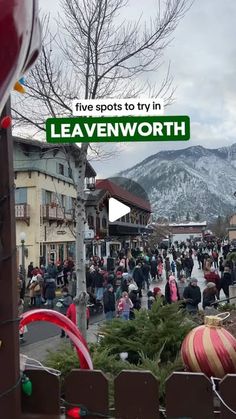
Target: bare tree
{"type": "Point", "coordinates": [159, 233]}
{"type": "Point", "coordinates": [103, 56]}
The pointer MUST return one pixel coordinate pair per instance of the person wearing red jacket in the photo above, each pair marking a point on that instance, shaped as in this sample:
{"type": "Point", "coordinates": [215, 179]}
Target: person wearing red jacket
{"type": "Point", "coordinates": [213, 276]}
{"type": "Point", "coordinates": [71, 314]}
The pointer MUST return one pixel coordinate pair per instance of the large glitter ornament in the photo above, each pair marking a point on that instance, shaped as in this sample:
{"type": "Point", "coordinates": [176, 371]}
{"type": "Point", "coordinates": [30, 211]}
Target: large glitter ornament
{"type": "Point", "coordinates": [210, 349]}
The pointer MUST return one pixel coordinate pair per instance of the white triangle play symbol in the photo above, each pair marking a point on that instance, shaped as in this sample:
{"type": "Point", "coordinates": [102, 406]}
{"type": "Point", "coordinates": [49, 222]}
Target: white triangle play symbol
{"type": "Point", "coordinates": [117, 209]}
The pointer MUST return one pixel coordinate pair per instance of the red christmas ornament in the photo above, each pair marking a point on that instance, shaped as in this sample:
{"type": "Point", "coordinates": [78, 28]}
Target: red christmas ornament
{"type": "Point", "coordinates": [6, 122]}
{"type": "Point", "coordinates": [210, 349]}
{"type": "Point", "coordinates": [74, 413]}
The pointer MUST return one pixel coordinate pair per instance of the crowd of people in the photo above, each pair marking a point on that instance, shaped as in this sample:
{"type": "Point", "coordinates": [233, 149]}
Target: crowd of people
{"type": "Point", "coordinates": [165, 274]}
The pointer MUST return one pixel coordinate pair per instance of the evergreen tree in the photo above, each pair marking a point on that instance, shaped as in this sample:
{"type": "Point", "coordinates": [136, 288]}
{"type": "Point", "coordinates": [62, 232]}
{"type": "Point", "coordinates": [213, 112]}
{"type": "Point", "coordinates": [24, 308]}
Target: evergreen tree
{"type": "Point", "coordinates": [197, 217]}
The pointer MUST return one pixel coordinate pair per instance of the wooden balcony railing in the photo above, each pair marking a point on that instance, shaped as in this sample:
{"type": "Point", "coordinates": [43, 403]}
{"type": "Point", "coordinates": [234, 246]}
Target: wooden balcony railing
{"type": "Point", "coordinates": [22, 212]}
{"type": "Point", "coordinates": [136, 396]}
{"type": "Point", "coordinates": [52, 212]}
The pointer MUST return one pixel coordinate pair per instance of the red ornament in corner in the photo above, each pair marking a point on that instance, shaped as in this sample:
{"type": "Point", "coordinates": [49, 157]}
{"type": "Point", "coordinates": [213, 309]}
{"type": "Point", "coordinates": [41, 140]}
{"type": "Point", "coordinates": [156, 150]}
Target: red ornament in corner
{"type": "Point", "coordinates": [6, 122]}
{"type": "Point", "coordinates": [74, 413]}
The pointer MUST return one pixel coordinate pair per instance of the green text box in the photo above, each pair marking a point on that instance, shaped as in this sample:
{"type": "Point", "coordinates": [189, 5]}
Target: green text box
{"type": "Point", "coordinates": [118, 129]}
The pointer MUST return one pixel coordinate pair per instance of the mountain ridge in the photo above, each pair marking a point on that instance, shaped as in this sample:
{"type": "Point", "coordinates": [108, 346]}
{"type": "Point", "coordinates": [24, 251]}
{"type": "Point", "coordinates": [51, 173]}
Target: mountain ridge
{"type": "Point", "coordinates": [190, 181]}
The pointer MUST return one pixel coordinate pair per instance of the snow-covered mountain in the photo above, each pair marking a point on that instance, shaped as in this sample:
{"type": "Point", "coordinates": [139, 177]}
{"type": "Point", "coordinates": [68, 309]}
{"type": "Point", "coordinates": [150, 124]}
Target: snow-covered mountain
{"type": "Point", "coordinates": [195, 180]}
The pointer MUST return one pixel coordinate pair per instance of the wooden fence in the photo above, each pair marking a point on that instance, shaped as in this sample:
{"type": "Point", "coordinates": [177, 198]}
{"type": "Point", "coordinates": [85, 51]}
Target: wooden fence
{"type": "Point", "coordinates": [188, 396]}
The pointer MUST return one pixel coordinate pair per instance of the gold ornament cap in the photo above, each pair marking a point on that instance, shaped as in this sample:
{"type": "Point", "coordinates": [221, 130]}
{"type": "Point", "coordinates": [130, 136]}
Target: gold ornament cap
{"type": "Point", "coordinates": [216, 321]}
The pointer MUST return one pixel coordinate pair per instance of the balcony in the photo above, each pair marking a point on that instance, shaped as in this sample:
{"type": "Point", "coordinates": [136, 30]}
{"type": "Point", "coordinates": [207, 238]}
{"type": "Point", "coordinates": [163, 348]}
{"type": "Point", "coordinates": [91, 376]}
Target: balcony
{"type": "Point", "coordinates": [22, 212]}
{"type": "Point", "coordinates": [70, 215]}
{"type": "Point", "coordinates": [52, 212]}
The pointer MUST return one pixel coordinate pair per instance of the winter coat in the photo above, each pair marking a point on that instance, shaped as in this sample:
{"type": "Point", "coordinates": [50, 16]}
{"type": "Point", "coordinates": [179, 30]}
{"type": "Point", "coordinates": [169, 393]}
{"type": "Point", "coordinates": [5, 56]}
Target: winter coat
{"type": "Point", "coordinates": [213, 277]}
{"type": "Point", "coordinates": [181, 288]}
{"type": "Point", "coordinates": [124, 305]}
{"type": "Point", "coordinates": [153, 268]}
{"type": "Point", "coordinates": [133, 295]}
{"type": "Point", "coordinates": [138, 276]}
{"type": "Point", "coordinates": [173, 266]}
{"type": "Point", "coordinates": [50, 289]}
{"type": "Point", "coordinates": [188, 263]}
{"type": "Point", "coordinates": [145, 270]}
{"type": "Point", "coordinates": [167, 266]}
{"type": "Point", "coordinates": [226, 281]}
{"type": "Point", "coordinates": [98, 280]}
{"type": "Point", "coordinates": [30, 270]}
{"type": "Point", "coordinates": [168, 294]}
{"type": "Point", "coordinates": [71, 313]}
{"type": "Point", "coordinates": [66, 301]}
{"type": "Point", "coordinates": [109, 301]}
{"type": "Point", "coordinates": [33, 286]}
{"type": "Point", "coordinates": [208, 299]}
{"type": "Point", "coordinates": [131, 264]}
{"type": "Point", "coordinates": [193, 294]}
{"type": "Point", "coordinates": [52, 271]}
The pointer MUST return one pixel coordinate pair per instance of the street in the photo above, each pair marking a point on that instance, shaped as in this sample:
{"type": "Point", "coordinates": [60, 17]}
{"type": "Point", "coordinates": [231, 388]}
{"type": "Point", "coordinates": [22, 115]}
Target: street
{"type": "Point", "coordinates": [40, 331]}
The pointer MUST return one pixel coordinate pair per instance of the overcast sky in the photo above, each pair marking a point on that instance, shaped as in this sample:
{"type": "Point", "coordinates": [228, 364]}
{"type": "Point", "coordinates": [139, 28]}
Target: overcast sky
{"type": "Point", "coordinates": [203, 64]}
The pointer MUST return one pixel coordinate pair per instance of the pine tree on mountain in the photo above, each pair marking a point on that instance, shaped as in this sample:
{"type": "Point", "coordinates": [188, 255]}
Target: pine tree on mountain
{"type": "Point", "coordinates": [197, 217]}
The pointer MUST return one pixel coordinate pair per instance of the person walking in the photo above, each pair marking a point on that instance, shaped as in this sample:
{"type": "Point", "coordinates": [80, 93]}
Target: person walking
{"type": "Point", "coordinates": [226, 281]}
{"type": "Point", "coordinates": [209, 295]}
{"type": "Point", "coordinates": [167, 267]}
{"type": "Point", "coordinates": [32, 285]}
{"type": "Point", "coordinates": [192, 296]}
{"type": "Point", "coordinates": [52, 270]}
{"type": "Point", "coordinates": [146, 273]}
{"type": "Point", "coordinates": [173, 266]}
{"type": "Point", "coordinates": [188, 265]}
{"type": "Point", "coordinates": [138, 278]}
{"type": "Point", "coordinates": [71, 314]}
{"type": "Point", "coordinates": [171, 291]}
{"type": "Point", "coordinates": [64, 303]}
{"type": "Point", "coordinates": [213, 276]}
{"type": "Point", "coordinates": [159, 269]}
{"type": "Point", "coordinates": [153, 268]}
{"type": "Point", "coordinates": [133, 295]}
{"type": "Point", "coordinates": [109, 303]}
{"type": "Point", "coordinates": [98, 283]}
{"type": "Point", "coordinates": [215, 257]}
{"type": "Point", "coordinates": [181, 286]}
{"type": "Point", "coordinates": [49, 290]}
{"type": "Point", "coordinates": [124, 306]}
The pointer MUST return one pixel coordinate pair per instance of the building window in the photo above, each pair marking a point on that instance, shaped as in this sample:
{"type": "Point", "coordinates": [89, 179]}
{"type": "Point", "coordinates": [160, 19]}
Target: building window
{"type": "Point", "coordinates": [68, 203]}
{"type": "Point", "coordinates": [61, 200]}
{"type": "Point", "coordinates": [123, 219]}
{"type": "Point", "coordinates": [48, 197]}
{"type": "Point", "coordinates": [98, 224]}
{"type": "Point", "coordinates": [90, 221]}
{"type": "Point", "coordinates": [104, 223]}
{"type": "Point", "coordinates": [127, 218]}
{"type": "Point", "coordinates": [21, 195]}
{"type": "Point", "coordinates": [60, 169]}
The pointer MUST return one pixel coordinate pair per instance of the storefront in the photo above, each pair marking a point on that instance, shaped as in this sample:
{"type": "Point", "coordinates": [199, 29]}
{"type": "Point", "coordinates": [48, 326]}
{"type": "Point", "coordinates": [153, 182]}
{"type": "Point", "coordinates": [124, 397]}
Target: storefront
{"type": "Point", "coordinates": [56, 251]}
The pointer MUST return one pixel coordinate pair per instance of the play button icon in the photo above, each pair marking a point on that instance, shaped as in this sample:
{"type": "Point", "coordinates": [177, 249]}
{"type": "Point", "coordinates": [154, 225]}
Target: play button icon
{"type": "Point", "coordinates": [117, 209]}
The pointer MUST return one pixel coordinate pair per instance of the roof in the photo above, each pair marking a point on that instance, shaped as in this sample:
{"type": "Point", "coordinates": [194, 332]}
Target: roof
{"type": "Point", "coordinates": [95, 197]}
{"type": "Point", "coordinates": [42, 145]}
{"type": "Point", "coordinates": [190, 224]}
{"type": "Point", "coordinates": [122, 194]}
{"type": "Point", "coordinates": [186, 230]}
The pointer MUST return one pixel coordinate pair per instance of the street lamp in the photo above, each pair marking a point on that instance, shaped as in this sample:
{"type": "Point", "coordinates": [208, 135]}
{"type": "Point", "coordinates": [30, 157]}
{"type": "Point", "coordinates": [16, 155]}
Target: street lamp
{"type": "Point", "coordinates": [22, 239]}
